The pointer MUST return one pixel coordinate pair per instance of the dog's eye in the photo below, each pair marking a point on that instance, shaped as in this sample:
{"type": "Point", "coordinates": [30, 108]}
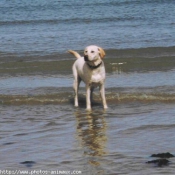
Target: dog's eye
{"type": "Point", "coordinates": [92, 51]}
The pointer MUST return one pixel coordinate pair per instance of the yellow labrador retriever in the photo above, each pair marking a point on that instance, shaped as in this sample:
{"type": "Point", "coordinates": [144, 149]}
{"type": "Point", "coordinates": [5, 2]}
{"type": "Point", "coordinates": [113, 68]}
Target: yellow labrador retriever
{"type": "Point", "coordinates": [91, 70]}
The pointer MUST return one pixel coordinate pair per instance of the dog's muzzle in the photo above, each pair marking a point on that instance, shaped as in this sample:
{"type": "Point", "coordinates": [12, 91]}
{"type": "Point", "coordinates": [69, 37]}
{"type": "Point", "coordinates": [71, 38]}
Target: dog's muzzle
{"type": "Point", "coordinates": [86, 58]}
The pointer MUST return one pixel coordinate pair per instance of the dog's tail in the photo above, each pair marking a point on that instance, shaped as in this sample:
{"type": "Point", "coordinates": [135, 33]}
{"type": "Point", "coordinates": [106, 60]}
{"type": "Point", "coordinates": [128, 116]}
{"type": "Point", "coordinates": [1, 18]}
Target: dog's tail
{"type": "Point", "coordinates": [76, 54]}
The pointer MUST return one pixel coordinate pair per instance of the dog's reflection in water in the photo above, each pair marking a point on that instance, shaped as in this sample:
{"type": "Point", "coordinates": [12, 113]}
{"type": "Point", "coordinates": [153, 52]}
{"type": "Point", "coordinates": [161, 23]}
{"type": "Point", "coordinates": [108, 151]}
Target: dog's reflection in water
{"type": "Point", "coordinates": [91, 131]}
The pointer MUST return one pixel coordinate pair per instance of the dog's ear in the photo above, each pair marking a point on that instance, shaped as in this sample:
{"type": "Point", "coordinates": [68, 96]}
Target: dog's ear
{"type": "Point", "coordinates": [102, 52]}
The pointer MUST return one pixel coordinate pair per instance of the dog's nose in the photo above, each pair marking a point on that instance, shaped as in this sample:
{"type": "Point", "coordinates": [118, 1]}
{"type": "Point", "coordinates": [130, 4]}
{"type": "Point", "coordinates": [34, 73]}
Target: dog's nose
{"type": "Point", "coordinates": [86, 58]}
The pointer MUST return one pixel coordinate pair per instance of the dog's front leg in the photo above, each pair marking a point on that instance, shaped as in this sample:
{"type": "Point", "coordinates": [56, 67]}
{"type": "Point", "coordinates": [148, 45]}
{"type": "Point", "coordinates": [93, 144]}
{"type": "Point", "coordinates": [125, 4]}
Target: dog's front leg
{"type": "Point", "coordinates": [102, 92]}
{"type": "Point", "coordinates": [88, 97]}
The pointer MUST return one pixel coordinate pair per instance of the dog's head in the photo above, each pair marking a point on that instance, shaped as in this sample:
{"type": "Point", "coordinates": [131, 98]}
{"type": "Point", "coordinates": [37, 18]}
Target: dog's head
{"type": "Point", "coordinates": [93, 53]}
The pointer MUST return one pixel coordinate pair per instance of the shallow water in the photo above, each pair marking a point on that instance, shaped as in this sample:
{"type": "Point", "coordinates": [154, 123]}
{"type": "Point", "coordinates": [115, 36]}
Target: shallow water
{"type": "Point", "coordinates": [117, 141]}
{"type": "Point", "coordinates": [39, 123]}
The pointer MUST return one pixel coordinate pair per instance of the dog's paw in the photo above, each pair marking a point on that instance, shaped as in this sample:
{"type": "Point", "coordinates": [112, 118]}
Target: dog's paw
{"type": "Point", "coordinates": [88, 109]}
{"type": "Point", "coordinates": [105, 107]}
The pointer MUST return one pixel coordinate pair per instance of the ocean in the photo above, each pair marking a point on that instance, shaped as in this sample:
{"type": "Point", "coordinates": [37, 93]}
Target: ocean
{"type": "Point", "coordinates": [41, 130]}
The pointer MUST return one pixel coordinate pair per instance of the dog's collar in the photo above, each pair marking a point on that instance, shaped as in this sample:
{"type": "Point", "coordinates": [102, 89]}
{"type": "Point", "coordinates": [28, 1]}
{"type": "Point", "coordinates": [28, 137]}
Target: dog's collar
{"type": "Point", "coordinates": [94, 67]}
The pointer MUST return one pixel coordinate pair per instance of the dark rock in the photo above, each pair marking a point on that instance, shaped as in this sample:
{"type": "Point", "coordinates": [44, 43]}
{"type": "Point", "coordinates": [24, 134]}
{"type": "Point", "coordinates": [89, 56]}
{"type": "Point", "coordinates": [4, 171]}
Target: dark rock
{"type": "Point", "coordinates": [8, 143]}
{"type": "Point", "coordinates": [159, 162]}
{"type": "Point", "coordinates": [163, 155]}
{"type": "Point", "coordinates": [28, 163]}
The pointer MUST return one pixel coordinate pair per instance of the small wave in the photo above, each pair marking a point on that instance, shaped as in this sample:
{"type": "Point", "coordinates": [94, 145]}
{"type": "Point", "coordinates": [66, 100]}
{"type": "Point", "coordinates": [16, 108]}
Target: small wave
{"type": "Point", "coordinates": [147, 52]}
{"type": "Point", "coordinates": [120, 53]}
{"type": "Point", "coordinates": [35, 99]}
{"type": "Point", "coordinates": [141, 97]}
{"type": "Point", "coordinates": [27, 22]}
{"type": "Point", "coordinates": [67, 21]}
{"type": "Point", "coordinates": [68, 98]}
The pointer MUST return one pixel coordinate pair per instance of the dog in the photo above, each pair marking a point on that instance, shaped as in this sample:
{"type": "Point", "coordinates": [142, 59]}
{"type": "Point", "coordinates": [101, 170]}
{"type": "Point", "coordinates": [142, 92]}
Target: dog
{"type": "Point", "coordinates": [91, 70]}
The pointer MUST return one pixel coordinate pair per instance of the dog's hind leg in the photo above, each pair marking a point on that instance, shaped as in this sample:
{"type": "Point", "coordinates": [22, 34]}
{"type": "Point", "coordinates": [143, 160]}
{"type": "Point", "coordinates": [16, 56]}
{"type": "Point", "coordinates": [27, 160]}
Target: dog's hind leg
{"type": "Point", "coordinates": [91, 95]}
{"type": "Point", "coordinates": [76, 84]}
{"type": "Point", "coordinates": [102, 92]}
{"type": "Point", "coordinates": [76, 87]}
